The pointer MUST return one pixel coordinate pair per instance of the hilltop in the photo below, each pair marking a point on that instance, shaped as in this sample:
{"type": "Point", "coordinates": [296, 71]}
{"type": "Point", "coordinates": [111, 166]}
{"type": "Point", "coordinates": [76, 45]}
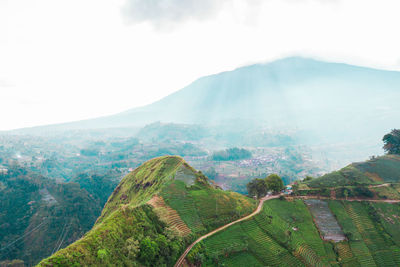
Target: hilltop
{"type": "Point", "coordinates": [151, 216]}
{"type": "Point", "coordinates": [378, 177]}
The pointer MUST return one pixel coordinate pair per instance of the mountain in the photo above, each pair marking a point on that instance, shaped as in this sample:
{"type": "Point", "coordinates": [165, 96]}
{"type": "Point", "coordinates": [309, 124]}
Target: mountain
{"type": "Point", "coordinates": [334, 107]}
{"type": "Point", "coordinates": [152, 215]}
{"type": "Point", "coordinates": [291, 92]}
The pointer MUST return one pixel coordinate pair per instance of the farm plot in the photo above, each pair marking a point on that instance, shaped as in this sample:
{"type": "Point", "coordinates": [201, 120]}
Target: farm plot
{"type": "Point", "coordinates": [325, 221]}
{"type": "Point", "coordinates": [169, 215]}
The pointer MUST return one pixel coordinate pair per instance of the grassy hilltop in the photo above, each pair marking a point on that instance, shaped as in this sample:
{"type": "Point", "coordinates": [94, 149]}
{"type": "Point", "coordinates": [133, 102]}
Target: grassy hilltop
{"type": "Point", "coordinates": [152, 215]}
{"type": "Point", "coordinates": [378, 177]}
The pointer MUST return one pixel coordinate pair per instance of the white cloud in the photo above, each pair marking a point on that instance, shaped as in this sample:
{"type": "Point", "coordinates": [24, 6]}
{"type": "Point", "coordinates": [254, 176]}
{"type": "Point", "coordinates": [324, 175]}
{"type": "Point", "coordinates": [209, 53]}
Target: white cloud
{"type": "Point", "coordinates": [70, 60]}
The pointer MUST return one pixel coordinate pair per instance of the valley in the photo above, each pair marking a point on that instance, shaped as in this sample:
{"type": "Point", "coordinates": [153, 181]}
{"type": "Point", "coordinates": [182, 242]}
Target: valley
{"type": "Point", "coordinates": [138, 187]}
{"type": "Point", "coordinates": [224, 228]}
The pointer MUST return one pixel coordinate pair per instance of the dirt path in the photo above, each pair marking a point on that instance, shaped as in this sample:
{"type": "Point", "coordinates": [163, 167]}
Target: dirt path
{"type": "Point", "coordinates": [349, 199]}
{"type": "Point", "coordinates": [258, 209]}
{"type": "Point", "coordinates": [379, 185]}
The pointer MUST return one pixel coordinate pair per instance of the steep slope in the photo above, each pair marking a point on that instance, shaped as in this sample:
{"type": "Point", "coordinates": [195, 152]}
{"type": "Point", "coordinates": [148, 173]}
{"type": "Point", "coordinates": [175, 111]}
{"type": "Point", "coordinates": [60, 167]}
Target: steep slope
{"type": "Point", "coordinates": [152, 214]}
{"type": "Point", "coordinates": [39, 216]}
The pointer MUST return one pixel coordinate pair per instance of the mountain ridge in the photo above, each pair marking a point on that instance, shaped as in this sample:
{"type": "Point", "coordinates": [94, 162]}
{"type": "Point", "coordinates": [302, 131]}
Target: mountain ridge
{"type": "Point", "coordinates": [273, 75]}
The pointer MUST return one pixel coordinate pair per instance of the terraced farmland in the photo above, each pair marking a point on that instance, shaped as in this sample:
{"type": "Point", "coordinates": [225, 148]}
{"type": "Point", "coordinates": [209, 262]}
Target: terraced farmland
{"type": "Point", "coordinates": [204, 209]}
{"type": "Point", "coordinates": [284, 234]}
{"type": "Point", "coordinates": [269, 237]}
{"type": "Point", "coordinates": [169, 215]}
{"type": "Point", "coordinates": [370, 243]}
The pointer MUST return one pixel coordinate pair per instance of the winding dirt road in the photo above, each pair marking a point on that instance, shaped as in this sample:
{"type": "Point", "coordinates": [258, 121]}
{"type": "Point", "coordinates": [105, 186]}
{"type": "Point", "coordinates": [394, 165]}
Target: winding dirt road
{"type": "Point", "coordinates": [258, 209]}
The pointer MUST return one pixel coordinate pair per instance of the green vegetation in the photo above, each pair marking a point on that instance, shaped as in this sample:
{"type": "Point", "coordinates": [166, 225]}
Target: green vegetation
{"type": "Point", "coordinates": [347, 176]}
{"type": "Point", "coordinates": [392, 142]}
{"type": "Point", "coordinates": [205, 208]}
{"type": "Point", "coordinates": [384, 169]}
{"type": "Point", "coordinates": [283, 234]}
{"type": "Point", "coordinates": [113, 241]}
{"type": "Point", "coordinates": [231, 154]}
{"type": "Point", "coordinates": [140, 185]}
{"type": "Point", "coordinates": [39, 216]}
{"type": "Point", "coordinates": [259, 187]}
{"type": "Point", "coordinates": [377, 170]}
{"type": "Point", "coordinates": [274, 183]}
{"type": "Point", "coordinates": [131, 232]}
{"type": "Point", "coordinates": [371, 239]}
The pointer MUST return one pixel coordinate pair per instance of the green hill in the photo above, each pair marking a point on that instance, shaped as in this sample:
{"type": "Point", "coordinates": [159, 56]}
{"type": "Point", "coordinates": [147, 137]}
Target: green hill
{"type": "Point", "coordinates": [384, 169]}
{"type": "Point", "coordinates": [378, 177]}
{"type": "Point", "coordinates": [152, 215]}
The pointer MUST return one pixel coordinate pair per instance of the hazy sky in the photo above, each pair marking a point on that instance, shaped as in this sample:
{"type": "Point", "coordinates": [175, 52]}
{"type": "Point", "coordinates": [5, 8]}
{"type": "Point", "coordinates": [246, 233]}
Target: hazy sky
{"type": "Point", "coordinates": [69, 60]}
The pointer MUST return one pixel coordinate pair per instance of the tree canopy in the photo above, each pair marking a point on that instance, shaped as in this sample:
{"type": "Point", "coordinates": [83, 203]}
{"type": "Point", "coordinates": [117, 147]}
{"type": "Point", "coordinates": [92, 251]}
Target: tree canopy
{"type": "Point", "coordinates": [274, 183]}
{"type": "Point", "coordinates": [392, 142]}
{"type": "Point", "coordinates": [259, 187]}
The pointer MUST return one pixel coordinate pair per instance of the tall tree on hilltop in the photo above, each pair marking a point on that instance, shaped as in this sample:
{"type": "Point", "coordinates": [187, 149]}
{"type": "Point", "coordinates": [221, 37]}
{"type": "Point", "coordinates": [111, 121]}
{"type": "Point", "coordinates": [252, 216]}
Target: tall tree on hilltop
{"type": "Point", "coordinates": [274, 183]}
{"type": "Point", "coordinates": [392, 142]}
{"type": "Point", "coordinates": [257, 187]}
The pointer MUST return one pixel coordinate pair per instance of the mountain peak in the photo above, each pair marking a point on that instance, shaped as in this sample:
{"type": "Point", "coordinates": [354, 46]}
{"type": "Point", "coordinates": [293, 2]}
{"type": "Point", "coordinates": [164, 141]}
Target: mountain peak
{"type": "Point", "coordinates": [141, 184]}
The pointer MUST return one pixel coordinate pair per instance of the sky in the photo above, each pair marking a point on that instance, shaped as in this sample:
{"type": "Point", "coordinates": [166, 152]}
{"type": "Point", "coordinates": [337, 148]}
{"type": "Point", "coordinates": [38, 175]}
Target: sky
{"type": "Point", "coordinates": [70, 60]}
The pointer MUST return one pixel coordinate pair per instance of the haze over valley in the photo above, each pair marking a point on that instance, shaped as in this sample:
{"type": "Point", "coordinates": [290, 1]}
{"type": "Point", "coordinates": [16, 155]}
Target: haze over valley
{"type": "Point", "coordinates": [199, 133]}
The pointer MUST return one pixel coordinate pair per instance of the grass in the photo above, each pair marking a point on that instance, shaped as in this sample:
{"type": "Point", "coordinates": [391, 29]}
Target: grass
{"type": "Point", "coordinates": [387, 192]}
{"type": "Point", "coordinates": [242, 259]}
{"type": "Point", "coordinates": [347, 176]}
{"type": "Point", "coordinates": [372, 232]}
{"type": "Point", "coordinates": [269, 237]}
{"type": "Point", "coordinates": [140, 185]}
{"type": "Point", "coordinates": [385, 168]}
{"type": "Point", "coordinates": [205, 208]}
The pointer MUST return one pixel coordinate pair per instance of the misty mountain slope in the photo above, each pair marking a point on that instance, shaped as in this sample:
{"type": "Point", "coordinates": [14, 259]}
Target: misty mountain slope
{"type": "Point", "coordinates": [292, 92]}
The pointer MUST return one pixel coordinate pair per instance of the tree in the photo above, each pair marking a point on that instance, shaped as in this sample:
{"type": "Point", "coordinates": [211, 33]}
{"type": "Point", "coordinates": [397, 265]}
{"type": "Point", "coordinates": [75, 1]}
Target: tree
{"type": "Point", "coordinates": [148, 250]}
{"type": "Point", "coordinates": [274, 183]}
{"type": "Point", "coordinates": [308, 178]}
{"type": "Point", "coordinates": [257, 187]}
{"type": "Point", "coordinates": [392, 142]}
